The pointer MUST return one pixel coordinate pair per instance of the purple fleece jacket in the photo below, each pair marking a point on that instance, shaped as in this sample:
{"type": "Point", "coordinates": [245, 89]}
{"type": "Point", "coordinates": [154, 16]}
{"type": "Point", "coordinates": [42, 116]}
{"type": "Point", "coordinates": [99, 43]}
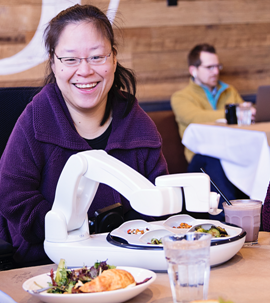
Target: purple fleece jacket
{"type": "Point", "coordinates": [266, 211]}
{"type": "Point", "coordinates": [41, 142]}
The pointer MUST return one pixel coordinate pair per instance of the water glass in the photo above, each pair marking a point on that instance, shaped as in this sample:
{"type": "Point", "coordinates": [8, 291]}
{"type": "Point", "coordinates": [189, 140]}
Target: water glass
{"type": "Point", "coordinates": [188, 263]}
{"type": "Point", "coordinates": [243, 113]}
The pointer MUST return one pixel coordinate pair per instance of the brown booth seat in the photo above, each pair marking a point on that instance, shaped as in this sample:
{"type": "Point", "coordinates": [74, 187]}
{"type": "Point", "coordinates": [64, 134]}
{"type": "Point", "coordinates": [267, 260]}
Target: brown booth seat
{"type": "Point", "coordinates": [172, 146]}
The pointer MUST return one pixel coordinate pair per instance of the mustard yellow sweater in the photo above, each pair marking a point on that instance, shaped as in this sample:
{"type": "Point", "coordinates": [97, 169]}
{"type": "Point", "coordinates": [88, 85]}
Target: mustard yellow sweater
{"type": "Point", "coordinates": [191, 105]}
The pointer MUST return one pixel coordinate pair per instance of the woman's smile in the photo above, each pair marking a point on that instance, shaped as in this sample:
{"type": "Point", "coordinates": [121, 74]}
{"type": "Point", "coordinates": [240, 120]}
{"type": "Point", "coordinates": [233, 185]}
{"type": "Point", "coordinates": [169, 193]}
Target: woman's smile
{"type": "Point", "coordinates": [87, 86]}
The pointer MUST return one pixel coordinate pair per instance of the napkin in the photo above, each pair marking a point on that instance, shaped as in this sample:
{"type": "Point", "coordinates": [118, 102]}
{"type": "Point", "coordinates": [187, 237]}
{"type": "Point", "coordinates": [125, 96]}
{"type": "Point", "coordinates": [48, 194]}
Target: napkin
{"type": "Point", "coordinates": [6, 298]}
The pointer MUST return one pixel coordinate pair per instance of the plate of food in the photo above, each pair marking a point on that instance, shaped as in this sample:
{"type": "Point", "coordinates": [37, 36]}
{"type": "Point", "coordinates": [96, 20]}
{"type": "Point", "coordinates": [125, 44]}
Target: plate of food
{"type": "Point", "coordinates": [84, 285]}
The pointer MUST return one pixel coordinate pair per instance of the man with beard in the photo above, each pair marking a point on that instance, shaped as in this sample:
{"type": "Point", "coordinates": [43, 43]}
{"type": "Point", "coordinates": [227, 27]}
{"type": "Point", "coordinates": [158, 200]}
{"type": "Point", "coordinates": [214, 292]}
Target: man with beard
{"type": "Point", "coordinates": [204, 100]}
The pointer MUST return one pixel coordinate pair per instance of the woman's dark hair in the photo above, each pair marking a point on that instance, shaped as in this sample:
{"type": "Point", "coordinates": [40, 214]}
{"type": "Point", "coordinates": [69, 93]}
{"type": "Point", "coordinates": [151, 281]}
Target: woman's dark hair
{"type": "Point", "coordinates": [194, 55]}
{"type": "Point", "coordinates": [123, 79]}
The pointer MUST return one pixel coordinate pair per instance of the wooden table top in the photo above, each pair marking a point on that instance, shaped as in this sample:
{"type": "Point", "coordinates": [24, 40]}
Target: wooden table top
{"type": "Point", "coordinates": [243, 279]}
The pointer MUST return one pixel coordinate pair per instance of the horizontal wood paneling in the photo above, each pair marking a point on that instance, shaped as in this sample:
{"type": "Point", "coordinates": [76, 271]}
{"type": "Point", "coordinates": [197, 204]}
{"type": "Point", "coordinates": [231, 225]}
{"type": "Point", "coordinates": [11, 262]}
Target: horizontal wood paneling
{"type": "Point", "coordinates": [157, 13]}
{"type": "Point", "coordinates": [159, 55]}
{"type": "Point", "coordinates": [20, 2]}
{"type": "Point", "coordinates": [174, 38]}
{"type": "Point", "coordinates": [143, 13]}
{"type": "Point", "coordinates": [173, 64]}
{"type": "Point", "coordinates": [19, 18]}
{"type": "Point", "coordinates": [18, 23]}
{"type": "Point", "coordinates": [154, 40]}
{"type": "Point", "coordinates": [32, 77]}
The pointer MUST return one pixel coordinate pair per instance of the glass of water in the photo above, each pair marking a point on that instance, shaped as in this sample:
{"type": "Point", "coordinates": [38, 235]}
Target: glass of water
{"type": "Point", "coordinates": [243, 113]}
{"type": "Point", "coordinates": [188, 263]}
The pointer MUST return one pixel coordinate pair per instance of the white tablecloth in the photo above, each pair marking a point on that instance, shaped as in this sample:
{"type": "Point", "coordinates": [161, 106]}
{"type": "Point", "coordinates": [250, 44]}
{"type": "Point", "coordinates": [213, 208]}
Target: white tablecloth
{"type": "Point", "coordinates": [244, 154]}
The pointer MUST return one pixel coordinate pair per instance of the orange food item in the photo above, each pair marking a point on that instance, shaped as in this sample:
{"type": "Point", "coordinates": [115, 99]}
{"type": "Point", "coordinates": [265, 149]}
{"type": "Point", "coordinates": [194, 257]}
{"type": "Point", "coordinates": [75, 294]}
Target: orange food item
{"type": "Point", "coordinates": [136, 231]}
{"type": "Point", "coordinates": [183, 225]}
{"type": "Point", "coordinates": [110, 279]}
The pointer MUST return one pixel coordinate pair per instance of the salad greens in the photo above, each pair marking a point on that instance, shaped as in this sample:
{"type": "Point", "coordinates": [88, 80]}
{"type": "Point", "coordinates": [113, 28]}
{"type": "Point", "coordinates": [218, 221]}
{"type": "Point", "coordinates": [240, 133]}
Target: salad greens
{"type": "Point", "coordinates": [69, 281]}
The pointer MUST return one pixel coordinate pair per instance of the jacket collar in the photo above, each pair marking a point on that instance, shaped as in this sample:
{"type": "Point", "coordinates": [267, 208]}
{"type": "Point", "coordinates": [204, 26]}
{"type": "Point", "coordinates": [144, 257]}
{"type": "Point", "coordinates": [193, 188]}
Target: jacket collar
{"type": "Point", "coordinates": [212, 99]}
{"type": "Point", "coordinates": [221, 85]}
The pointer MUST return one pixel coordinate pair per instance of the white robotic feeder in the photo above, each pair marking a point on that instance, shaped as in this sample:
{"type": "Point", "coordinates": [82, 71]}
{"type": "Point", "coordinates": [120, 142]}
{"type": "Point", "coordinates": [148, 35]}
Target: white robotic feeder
{"type": "Point", "coordinates": [66, 225]}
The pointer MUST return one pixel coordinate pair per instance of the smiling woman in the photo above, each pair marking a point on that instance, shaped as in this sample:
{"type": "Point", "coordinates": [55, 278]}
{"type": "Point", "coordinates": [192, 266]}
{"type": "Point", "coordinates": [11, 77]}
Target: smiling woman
{"type": "Point", "coordinates": [88, 102]}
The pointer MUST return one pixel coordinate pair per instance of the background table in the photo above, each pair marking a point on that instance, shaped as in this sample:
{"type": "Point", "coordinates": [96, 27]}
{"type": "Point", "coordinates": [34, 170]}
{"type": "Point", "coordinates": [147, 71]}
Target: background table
{"type": "Point", "coordinates": [243, 150]}
{"type": "Point", "coordinates": [243, 279]}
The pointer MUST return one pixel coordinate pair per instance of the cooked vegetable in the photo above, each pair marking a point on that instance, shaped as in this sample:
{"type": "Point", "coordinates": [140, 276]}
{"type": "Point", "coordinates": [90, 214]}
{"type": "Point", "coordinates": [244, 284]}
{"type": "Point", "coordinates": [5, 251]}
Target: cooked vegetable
{"type": "Point", "coordinates": [201, 230]}
{"type": "Point", "coordinates": [222, 230]}
{"type": "Point", "coordinates": [215, 231]}
{"type": "Point", "coordinates": [156, 241]}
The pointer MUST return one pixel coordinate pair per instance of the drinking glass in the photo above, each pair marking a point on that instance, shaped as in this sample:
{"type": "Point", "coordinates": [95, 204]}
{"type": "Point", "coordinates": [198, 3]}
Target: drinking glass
{"type": "Point", "coordinates": [188, 265]}
{"type": "Point", "coordinates": [246, 214]}
{"type": "Point", "coordinates": [243, 113]}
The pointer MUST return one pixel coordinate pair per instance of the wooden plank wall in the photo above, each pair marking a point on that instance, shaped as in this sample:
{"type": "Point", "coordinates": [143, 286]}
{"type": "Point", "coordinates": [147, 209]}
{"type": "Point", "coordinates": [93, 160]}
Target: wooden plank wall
{"type": "Point", "coordinates": [155, 39]}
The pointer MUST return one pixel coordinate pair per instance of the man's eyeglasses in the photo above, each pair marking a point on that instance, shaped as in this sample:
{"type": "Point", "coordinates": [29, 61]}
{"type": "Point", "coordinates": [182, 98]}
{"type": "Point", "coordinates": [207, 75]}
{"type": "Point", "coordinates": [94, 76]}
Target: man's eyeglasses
{"type": "Point", "coordinates": [212, 67]}
{"type": "Point", "coordinates": [73, 61]}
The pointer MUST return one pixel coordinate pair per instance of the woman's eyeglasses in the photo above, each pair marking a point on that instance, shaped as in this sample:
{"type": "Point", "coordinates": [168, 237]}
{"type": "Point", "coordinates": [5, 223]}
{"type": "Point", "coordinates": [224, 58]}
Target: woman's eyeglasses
{"type": "Point", "coordinates": [73, 61]}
